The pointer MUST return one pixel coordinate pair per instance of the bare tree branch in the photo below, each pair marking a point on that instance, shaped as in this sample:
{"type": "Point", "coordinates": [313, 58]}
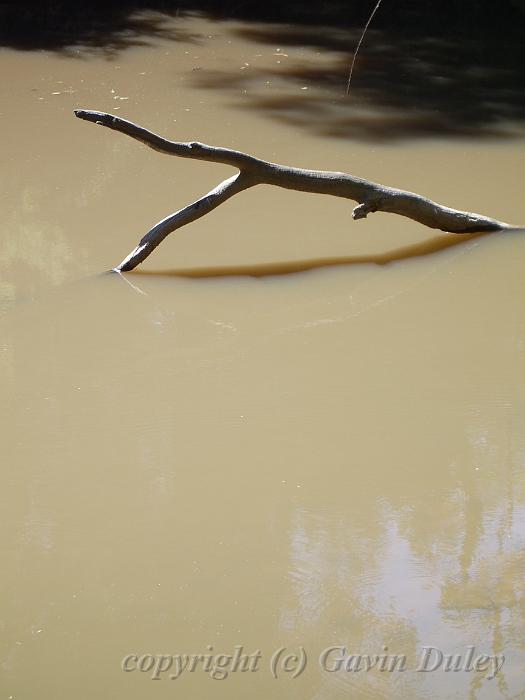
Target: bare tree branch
{"type": "Point", "coordinates": [371, 196]}
{"type": "Point", "coordinates": [193, 211]}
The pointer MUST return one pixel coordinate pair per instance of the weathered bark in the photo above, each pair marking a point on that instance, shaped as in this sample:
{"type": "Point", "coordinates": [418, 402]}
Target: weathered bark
{"type": "Point", "coordinates": [371, 196]}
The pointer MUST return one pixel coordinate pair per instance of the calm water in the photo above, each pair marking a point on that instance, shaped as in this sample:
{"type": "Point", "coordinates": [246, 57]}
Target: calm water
{"type": "Point", "coordinates": [264, 437]}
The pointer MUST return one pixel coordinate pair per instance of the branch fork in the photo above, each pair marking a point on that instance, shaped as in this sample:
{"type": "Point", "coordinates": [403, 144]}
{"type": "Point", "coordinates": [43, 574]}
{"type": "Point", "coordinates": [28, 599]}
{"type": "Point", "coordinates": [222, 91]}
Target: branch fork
{"type": "Point", "coordinates": [371, 196]}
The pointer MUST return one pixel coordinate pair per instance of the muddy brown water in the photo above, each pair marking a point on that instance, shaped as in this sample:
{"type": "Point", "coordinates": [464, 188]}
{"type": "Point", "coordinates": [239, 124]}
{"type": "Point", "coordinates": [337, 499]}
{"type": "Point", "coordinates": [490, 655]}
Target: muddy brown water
{"type": "Point", "coordinates": [287, 430]}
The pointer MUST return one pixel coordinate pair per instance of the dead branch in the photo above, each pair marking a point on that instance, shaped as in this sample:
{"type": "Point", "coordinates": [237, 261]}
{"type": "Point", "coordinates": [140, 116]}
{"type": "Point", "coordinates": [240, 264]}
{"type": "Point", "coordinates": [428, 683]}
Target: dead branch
{"type": "Point", "coordinates": [371, 196]}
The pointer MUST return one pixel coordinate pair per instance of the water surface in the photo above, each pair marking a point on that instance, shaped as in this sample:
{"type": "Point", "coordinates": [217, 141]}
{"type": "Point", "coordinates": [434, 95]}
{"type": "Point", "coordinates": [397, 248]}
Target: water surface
{"type": "Point", "coordinates": [287, 429]}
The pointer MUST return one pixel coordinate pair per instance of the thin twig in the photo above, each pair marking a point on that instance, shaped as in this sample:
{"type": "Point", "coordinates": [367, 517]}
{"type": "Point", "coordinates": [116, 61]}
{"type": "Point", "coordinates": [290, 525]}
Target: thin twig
{"type": "Point", "coordinates": [359, 46]}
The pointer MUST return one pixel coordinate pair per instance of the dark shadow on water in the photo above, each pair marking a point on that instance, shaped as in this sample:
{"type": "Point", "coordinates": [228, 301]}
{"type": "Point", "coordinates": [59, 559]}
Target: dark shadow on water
{"type": "Point", "coordinates": [417, 250]}
{"type": "Point", "coordinates": [403, 87]}
{"type": "Point", "coordinates": [454, 69]}
{"type": "Point", "coordinates": [79, 29]}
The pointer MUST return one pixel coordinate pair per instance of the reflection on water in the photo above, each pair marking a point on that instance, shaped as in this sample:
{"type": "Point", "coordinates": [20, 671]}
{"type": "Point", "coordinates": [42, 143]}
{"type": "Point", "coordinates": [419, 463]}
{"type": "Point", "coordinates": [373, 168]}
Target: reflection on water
{"type": "Point", "coordinates": [415, 250]}
{"type": "Point", "coordinates": [268, 445]}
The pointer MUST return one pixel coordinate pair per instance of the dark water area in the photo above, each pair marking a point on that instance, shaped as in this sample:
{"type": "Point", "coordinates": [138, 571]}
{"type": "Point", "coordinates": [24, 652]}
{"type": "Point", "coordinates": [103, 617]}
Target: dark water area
{"type": "Point", "coordinates": [425, 69]}
{"type": "Point", "coordinates": [57, 24]}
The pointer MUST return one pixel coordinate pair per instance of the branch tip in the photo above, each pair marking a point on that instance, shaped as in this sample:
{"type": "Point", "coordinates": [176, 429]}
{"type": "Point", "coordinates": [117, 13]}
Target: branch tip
{"type": "Point", "coordinates": [363, 210]}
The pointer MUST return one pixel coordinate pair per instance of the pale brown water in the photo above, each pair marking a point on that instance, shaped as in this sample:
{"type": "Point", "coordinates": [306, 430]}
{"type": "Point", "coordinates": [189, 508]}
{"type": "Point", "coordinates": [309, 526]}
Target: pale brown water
{"type": "Point", "coordinates": [224, 454]}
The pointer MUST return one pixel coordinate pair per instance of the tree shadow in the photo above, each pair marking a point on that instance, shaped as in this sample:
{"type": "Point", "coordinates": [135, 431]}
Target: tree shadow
{"type": "Point", "coordinates": [452, 69]}
{"type": "Point", "coordinates": [402, 88]}
{"type": "Point", "coordinates": [77, 29]}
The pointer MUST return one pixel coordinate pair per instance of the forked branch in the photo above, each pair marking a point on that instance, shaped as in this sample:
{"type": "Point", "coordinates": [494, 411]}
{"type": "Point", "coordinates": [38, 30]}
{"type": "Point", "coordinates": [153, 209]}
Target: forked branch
{"type": "Point", "coordinates": [371, 196]}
